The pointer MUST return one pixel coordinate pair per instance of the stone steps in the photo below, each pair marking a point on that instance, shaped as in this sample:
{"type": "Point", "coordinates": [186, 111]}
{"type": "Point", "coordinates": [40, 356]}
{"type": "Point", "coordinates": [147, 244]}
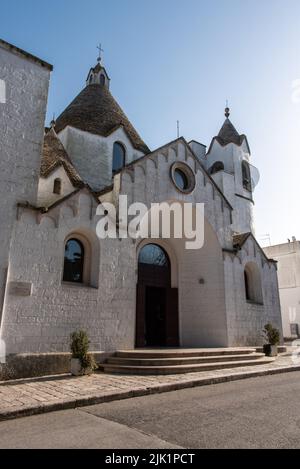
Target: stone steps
{"type": "Point", "coordinates": [178, 352]}
{"type": "Point", "coordinates": [166, 370]}
{"type": "Point", "coordinates": [181, 360]}
{"type": "Point", "coordinates": [173, 361]}
{"type": "Point", "coordinates": [280, 348]}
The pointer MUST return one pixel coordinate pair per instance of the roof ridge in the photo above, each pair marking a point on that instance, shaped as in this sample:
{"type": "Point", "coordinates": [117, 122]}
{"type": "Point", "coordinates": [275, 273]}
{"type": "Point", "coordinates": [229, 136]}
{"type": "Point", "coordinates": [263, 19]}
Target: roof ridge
{"type": "Point", "coordinates": [183, 140]}
{"type": "Point", "coordinates": [241, 238]}
{"type": "Point", "coordinates": [33, 58]}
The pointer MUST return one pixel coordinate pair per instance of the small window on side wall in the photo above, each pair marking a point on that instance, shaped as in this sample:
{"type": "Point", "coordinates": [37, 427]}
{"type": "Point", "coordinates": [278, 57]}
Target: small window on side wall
{"type": "Point", "coordinates": [247, 285]}
{"type": "Point", "coordinates": [73, 261]}
{"type": "Point", "coordinates": [252, 282]}
{"type": "Point", "coordinates": [118, 157]}
{"type": "Point", "coordinates": [57, 186]}
{"type": "Point", "coordinates": [102, 80]}
{"type": "Point", "coordinates": [246, 176]}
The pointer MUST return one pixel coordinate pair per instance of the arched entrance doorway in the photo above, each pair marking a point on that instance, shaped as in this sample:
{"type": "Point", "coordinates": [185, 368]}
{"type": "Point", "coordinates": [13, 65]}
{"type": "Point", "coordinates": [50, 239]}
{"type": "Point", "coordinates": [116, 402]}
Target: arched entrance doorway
{"type": "Point", "coordinates": [157, 301]}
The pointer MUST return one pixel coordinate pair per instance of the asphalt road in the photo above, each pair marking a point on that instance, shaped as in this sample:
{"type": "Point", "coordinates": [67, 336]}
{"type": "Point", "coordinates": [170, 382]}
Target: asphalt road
{"type": "Point", "coordinates": [254, 413]}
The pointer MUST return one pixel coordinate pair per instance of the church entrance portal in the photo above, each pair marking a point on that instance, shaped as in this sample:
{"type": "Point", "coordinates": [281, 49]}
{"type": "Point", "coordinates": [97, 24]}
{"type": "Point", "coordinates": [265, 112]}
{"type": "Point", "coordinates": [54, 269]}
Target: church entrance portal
{"type": "Point", "coordinates": [157, 301]}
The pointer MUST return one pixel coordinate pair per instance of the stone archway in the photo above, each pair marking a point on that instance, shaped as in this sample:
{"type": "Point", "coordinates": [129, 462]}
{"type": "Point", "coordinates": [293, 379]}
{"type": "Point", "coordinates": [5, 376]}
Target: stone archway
{"type": "Point", "coordinates": [157, 322]}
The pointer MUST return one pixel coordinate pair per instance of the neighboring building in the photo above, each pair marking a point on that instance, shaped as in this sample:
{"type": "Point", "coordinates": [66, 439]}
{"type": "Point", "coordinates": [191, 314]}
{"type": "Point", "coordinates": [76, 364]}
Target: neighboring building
{"type": "Point", "coordinates": [288, 257]}
{"type": "Point", "coordinates": [24, 90]}
{"type": "Point", "coordinates": [125, 292]}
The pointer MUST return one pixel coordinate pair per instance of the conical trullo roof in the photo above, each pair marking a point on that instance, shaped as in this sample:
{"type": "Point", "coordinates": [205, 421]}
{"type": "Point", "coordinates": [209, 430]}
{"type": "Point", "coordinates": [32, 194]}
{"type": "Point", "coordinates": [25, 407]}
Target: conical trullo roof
{"type": "Point", "coordinates": [229, 134]}
{"type": "Point", "coordinates": [95, 110]}
{"type": "Point", "coordinates": [54, 155]}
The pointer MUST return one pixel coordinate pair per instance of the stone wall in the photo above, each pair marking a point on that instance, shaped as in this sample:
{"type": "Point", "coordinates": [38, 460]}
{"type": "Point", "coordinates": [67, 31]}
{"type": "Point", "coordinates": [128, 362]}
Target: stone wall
{"type": "Point", "coordinates": [288, 257]}
{"type": "Point", "coordinates": [92, 155]}
{"type": "Point", "coordinates": [200, 274]}
{"type": "Point", "coordinates": [231, 182]}
{"type": "Point", "coordinates": [46, 197]}
{"type": "Point", "coordinates": [212, 308]}
{"type": "Point", "coordinates": [42, 320]}
{"type": "Point", "coordinates": [246, 319]}
{"type": "Point", "coordinates": [40, 364]}
{"type": "Point", "coordinates": [22, 116]}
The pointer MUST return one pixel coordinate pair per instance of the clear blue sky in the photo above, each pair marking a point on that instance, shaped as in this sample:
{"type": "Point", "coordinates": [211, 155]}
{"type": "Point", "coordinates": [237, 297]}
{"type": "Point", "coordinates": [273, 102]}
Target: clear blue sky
{"type": "Point", "coordinates": [175, 59]}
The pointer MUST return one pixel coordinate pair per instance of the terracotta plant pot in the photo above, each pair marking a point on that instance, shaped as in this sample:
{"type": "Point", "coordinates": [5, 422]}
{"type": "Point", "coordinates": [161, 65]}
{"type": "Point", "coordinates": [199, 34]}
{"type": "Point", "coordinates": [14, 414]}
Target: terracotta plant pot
{"type": "Point", "coordinates": [270, 350]}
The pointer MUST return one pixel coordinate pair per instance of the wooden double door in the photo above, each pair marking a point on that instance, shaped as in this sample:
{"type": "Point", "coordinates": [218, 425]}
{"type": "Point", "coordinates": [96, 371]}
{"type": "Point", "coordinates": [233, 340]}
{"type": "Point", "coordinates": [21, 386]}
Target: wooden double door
{"type": "Point", "coordinates": [156, 308]}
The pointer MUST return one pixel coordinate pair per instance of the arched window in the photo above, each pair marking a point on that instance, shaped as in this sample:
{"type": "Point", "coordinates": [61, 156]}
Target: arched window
{"type": "Point", "coordinates": [152, 254]}
{"type": "Point", "coordinates": [246, 176]}
{"type": "Point", "coordinates": [252, 282]}
{"type": "Point", "coordinates": [74, 261]}
{"type": "Point", "coordinates": [246, 279]}
{"type": "Point", "coordinates": [118, 157]}
{"type": "Point", "coordinates": [102, 79]}
{"type": "Point", "coordinates": [154, 266]}
{"type": "Point", "coordinates": [57, 186]}
{"type": "Point", "coordinates": [217, 166]}
{"type": "Point", "coordinates": [91, 78]}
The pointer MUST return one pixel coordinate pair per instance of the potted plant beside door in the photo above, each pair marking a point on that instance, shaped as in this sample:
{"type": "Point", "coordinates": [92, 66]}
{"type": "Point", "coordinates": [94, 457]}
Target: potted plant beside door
{"type": "Point", "coordinates": [272, 338]}
{"type": "Point", "coordinates": [82, 363]}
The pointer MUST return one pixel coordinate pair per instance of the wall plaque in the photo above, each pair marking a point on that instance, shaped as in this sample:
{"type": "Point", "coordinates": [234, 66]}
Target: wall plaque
{"type": "Point", "coordinates": [20, 288]}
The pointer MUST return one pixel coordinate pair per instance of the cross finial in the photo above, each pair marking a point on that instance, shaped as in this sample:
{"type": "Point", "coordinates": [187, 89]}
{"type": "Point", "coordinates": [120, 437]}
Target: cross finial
{"type": "Point", "coordinates": [100, 53]}
{"type": "Point", "coordinates": [227, 110]}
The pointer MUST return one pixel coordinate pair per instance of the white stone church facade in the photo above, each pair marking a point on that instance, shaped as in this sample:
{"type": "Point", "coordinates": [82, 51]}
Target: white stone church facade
{"type": "Point", "coordinates": [57, 276]}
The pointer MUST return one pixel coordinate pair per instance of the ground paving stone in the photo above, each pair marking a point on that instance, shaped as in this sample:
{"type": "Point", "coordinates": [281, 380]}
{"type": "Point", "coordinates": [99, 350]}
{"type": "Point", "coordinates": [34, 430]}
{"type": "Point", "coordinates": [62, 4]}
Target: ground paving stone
{"type": "Point", "coordinates": [26, 397]}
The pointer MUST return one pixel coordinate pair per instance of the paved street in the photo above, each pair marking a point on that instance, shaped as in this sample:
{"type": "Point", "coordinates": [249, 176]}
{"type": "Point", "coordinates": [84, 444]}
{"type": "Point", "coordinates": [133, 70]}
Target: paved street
{"type": "Point", "coordinates": [259, 412]}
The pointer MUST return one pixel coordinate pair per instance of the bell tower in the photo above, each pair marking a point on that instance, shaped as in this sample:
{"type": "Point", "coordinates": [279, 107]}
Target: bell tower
{"type": "Point", "coordinates": [228, 162]}
{"type": "Point", "coordinates": [98, 75]}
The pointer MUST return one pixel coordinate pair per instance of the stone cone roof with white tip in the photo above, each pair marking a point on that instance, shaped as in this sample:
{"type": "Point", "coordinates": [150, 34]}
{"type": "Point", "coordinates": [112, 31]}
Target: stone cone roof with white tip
{"type": "Point", "coordinates": [96, 111]}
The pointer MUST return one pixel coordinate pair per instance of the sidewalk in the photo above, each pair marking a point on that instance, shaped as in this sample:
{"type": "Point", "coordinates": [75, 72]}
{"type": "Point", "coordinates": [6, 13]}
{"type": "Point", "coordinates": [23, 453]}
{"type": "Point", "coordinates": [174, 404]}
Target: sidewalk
{"type": "Point", "coordinates": [38, 395]}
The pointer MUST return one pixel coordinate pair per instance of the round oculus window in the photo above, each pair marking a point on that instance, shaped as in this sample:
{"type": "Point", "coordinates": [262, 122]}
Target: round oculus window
{"type": "Point", "coordinates": [183, 177]}
{"type": "Point", "coordinates": [180, 179]}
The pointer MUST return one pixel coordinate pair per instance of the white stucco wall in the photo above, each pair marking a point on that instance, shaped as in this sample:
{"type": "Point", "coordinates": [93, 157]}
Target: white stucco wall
{"type": "Point", "coordinates": [199, 149]}
{"type": "Point", "coordinates": [46, 197]}
{"type": "Point", "coordinates": [247, 319]}
{"type": "Point", "coordinates": [43, 321]}
{"type": "Point", "coordinates": [92, 154]}
{"type": "Point", "coordinates": [220, 153]}
{"type": "Point", "coordinates": [202, 309]}
{"type": "Point", "coordinates": [231, 182]}
{"type": "Point", "coordinates": [212, 306]}
{"type": "Point", "coordinates": [288, 257]}
{"type": "Point", "coordinates": [22, 116]}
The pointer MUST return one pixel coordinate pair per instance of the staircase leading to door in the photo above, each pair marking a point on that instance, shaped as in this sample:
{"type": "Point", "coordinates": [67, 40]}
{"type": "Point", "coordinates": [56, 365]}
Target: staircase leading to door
{"type": "Point", "coordinates": [173, 361]}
